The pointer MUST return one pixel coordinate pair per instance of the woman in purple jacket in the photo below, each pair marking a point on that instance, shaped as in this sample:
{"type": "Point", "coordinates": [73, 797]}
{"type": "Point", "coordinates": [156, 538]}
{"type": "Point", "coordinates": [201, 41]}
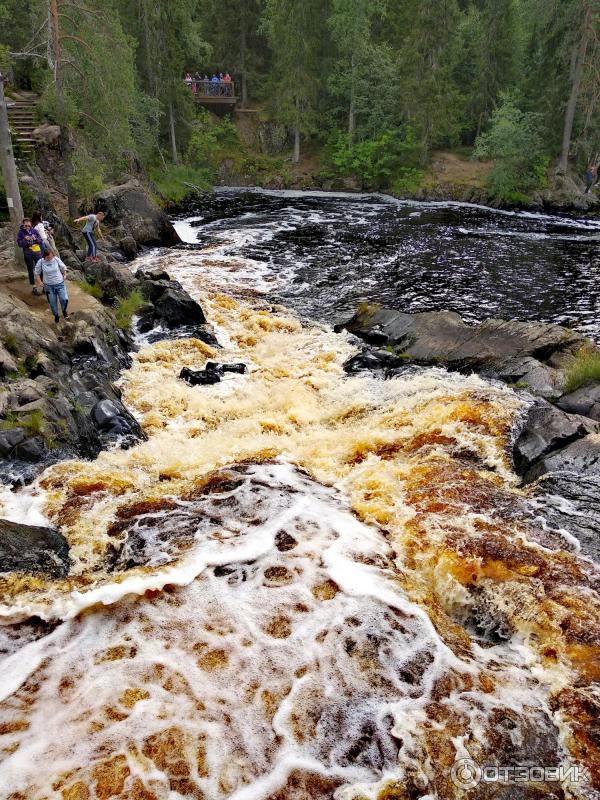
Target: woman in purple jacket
{"type": "Point", "coordinates": [33, 246]}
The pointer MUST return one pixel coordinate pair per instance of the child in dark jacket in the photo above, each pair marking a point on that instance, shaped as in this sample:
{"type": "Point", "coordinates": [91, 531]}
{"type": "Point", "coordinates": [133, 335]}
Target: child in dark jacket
{"type": "Point", "coordinates": [33, 247]}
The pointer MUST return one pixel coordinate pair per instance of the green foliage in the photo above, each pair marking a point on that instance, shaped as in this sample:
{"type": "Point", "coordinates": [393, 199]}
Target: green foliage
{"type": "Point", "coordinates": [33, 423]}
{"type": "Point", "coordinates": [408, 180]}
{"type": "Point", "coordinates": [10, 343]}
{"type": "Point", "coordinates": [375, 162]}
{"type": "Point", "coordinates": [515, 142]}
{"type": "Point", "coordinates": [175, 183]}
{"type": "Point", "coordinates": [211, 140]}
{"type": "Point", "coordinates": [91, 288]}
{"type": "Point", "coordinates": [88, 175]}
{"type": "Point", "coordinates": [126, 307]}
{"type": "Point", "coordinates": [584, 369]}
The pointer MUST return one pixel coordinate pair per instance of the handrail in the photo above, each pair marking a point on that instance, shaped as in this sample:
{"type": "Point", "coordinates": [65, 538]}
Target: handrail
{"type": "Point", "coordinates": [211, 88]}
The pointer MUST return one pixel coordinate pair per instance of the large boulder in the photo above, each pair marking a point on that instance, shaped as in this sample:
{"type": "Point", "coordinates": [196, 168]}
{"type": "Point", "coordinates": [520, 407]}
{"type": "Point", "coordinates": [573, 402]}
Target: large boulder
{"type": "Point", "coordinates": [131, 206]}
{"type": "Point", "coordinates": [29, 548]}
{"type": "Point", "coordinates": [441, 337]}
{"type": "Point", "coordinates": [544, 430]}
{"type": "Point", "coordinates": [115, 279]}
{"type": "Point", "coordinates": [175, 307]}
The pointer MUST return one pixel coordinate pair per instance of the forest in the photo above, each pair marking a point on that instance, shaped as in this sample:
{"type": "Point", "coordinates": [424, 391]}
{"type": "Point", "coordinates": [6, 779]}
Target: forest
{"type": "Point", "coordinates": [369, 88]}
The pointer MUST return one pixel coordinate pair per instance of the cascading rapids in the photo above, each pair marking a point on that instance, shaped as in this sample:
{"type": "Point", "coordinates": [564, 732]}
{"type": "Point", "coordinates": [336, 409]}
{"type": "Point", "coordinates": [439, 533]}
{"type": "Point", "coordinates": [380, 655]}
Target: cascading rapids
{"type": "Point", "coordinates": [303, 585]}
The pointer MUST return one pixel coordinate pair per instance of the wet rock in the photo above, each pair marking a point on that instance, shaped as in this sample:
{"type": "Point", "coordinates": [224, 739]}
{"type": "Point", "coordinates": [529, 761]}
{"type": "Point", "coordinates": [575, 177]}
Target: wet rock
{"type": "Point", "coordinates": [132, 205]}
{"type": "Point", "coordinates": [204, 333]}
{"type": "Point", "coordinates": [585, 401]}
{"type": "Point", "coordinates": [572, 503]}
{"type": "Point", "coordinates": [112, 419]}
{"type": "Point", "coordinates": [31, 449]}
{"type": "Point", "coordinates": [199, 377]}
{"type": "Point", "coordinates": [128, 247]}
{"type": "Point", "coordinates": [581, 458]}
{"type": "Point", "coordinates": [175, 307]}
{"type": "Point", "coordinates": [28, 548]}
{"type": "Point", "coordinates": [152, 290]}
{"type": "Point", "coordinates": [544, 430]}
{"type": "Point", "coordinates": [9, 439]}
{"type": "Point", "coordinates": [152, 275]}
{"type": "Point", "coordinates": [212, 366]}
{"type": "Point", "coordinates": [372, 360]}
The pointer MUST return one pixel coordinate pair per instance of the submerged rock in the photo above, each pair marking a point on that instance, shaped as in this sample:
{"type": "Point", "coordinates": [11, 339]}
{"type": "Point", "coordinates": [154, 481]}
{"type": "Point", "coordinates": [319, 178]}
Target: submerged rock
{"type": "Point", "coordinates": [29, 548]}
{"type": "Point", "coordinates": [212, 373]}
{"type": "Point", "coordinates": [198, 377]}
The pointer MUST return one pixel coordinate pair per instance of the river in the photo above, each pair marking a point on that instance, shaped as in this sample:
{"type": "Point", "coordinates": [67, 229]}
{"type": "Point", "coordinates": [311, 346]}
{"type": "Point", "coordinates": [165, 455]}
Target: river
{"type": "Point", "coordinates": [304, 584]}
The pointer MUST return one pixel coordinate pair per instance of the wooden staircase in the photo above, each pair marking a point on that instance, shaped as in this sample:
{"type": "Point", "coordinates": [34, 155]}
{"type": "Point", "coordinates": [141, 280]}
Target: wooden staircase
{"type": "Point", "coordinates": [22, 121]}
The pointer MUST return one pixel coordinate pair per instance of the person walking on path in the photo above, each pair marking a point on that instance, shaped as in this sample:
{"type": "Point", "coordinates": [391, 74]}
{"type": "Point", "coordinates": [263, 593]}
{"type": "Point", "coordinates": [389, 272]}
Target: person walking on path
{"type": "Point", "coordinates": [50, 274]}
{"type": "Point", "coordinates": [92, 221]}
{"type": "Point", "coordinates": [32, 244]}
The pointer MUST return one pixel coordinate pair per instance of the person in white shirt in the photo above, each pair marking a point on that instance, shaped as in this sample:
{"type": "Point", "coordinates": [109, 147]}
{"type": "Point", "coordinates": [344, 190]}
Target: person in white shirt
{"type": "Point", "coordinates": [50, 274]}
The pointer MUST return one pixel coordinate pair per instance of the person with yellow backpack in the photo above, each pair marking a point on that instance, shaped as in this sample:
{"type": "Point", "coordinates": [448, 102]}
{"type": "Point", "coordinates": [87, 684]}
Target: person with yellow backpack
{"type": "Point", "coordinates": [33, 247]}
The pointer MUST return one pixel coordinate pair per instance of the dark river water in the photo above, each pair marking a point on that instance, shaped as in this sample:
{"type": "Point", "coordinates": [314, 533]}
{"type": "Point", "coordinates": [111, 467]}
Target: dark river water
{"type": "Point", "coordinates": [323, 254]}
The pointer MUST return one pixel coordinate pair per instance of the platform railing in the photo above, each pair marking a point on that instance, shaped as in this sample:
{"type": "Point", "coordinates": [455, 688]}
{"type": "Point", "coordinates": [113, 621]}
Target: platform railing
{"type": "Point", "coordinates": [209, 89]}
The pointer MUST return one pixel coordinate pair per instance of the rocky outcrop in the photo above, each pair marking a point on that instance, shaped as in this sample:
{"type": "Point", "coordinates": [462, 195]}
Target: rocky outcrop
{"type": "Point", "coordinates": [585, 400]}
{"type": "Point", "coordinates": [581, 458]}
{"type": "Point", "coordinates": [545, 431]}
{"type": "Point", "coordinates": [131, 208]}
{"type": "Point", "coordinates": [496, 347]}
{"type": "Point", "coordinates": [29, 548]}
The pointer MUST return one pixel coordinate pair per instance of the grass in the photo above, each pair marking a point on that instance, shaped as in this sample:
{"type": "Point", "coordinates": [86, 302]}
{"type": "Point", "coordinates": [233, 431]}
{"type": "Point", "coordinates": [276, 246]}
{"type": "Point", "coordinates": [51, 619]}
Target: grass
{"type": "Point", "coordinates": [367, 309]}
{"type": "Point", "coordinates": [584, 369]}
{"type": "Point", "coordinates": [91, 288]}
{"type": "Point", "coordinates": [10, 343]}
{"type": "Point", "coordinates": [126, 308]}
{"type": "Point", "coordinates": [32, 423]}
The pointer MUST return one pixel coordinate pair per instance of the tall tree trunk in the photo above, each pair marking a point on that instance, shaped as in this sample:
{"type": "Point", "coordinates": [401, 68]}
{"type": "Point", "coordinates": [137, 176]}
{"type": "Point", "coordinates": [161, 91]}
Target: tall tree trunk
{"type": "Point", "coordinates": [296, 157]}
{"type": "Point", "coordinates": [578, 59]}
{"type": "Point", "coordinates": [9, 169]}
{"type": "Point", "coordinates": [244, 77]}
{"type": "Point", "coordinates": [174, 153]}
{"type": "Point", "coordinates": [65, 140]}
{"type": "Point", "coordinates": [351, 110]}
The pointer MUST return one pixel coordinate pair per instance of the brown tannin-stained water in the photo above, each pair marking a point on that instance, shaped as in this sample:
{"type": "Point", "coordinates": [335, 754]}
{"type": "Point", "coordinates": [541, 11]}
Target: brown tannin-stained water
{"type": "Point", "coordinates": [303, 585]}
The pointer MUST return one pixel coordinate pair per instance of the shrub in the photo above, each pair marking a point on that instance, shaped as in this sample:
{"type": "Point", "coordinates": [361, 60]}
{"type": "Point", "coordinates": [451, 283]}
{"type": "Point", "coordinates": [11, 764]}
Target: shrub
{"type": "Point", "coordinates": [33, 424]}
{"type": "Point", "coordinates": [375, 162]}
{"type": "Point", "coordinates": [515, 142]}
{"type": "Point", "coordinates": [408, 180]}
{"type": "Point", "coordinates": [584, 369]}
{"type": "Point", "coordinates": [126, 307]}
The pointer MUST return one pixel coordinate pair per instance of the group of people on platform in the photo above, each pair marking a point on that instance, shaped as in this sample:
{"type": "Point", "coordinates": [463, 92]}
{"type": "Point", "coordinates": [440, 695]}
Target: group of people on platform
{"type": "Point", "coordinates": [217, 84]}
{"type": "Point", "coordinates": [46, 271]}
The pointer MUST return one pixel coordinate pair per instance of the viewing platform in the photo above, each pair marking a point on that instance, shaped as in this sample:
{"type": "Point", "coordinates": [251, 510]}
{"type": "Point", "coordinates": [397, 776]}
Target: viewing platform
{"type": "Point", "coordinates": [214, 93]}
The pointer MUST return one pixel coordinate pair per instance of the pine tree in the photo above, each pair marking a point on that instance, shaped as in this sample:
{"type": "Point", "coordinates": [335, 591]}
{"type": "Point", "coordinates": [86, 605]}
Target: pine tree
{"type": "Point", "coordinates": [295, 33]}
